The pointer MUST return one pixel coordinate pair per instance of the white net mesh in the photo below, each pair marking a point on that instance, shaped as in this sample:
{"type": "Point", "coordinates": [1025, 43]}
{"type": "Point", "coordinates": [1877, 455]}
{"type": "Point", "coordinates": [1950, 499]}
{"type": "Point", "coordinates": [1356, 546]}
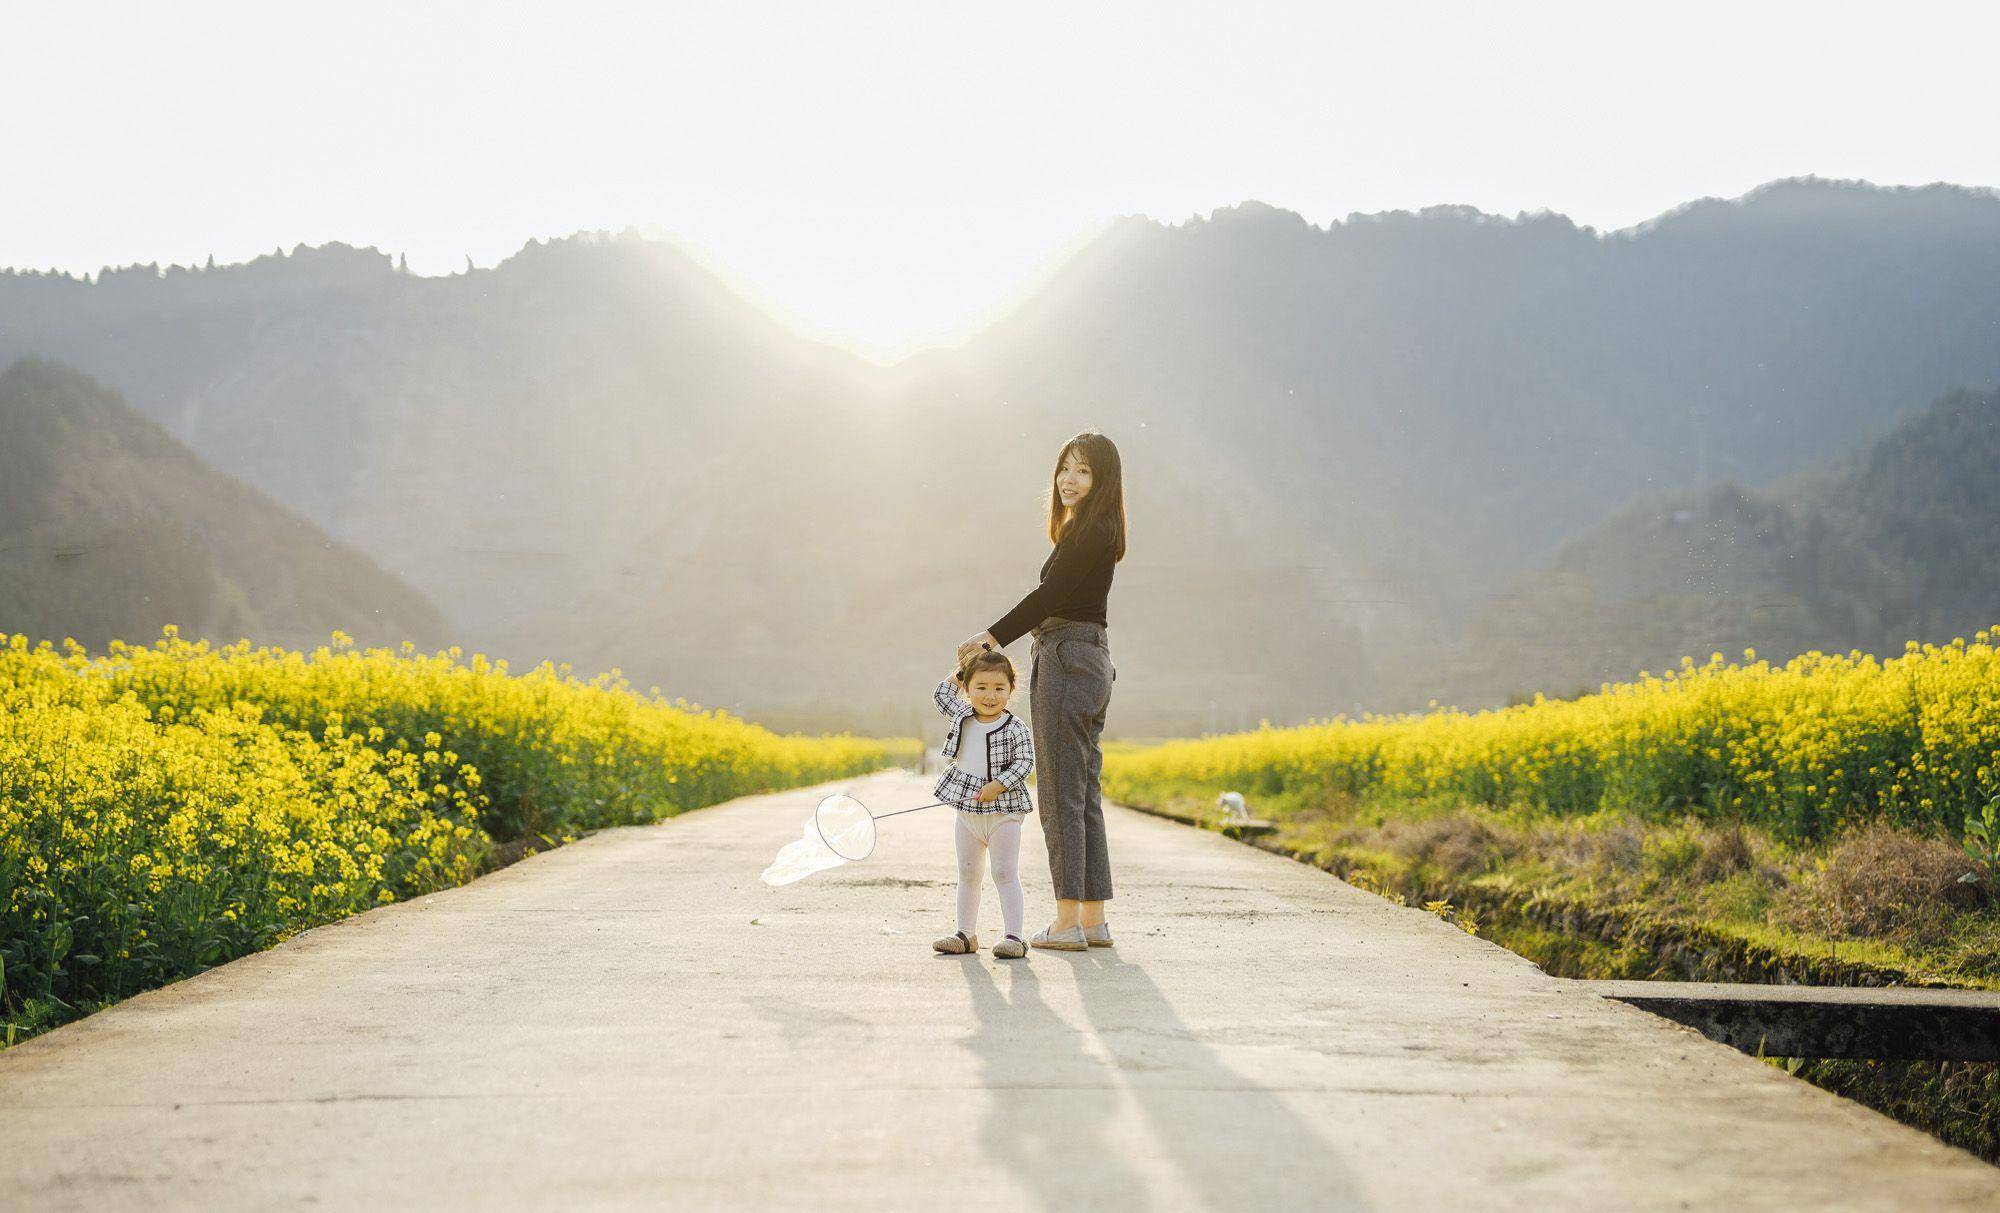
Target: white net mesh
{"type": "Point", "coordinates": [801, 858]}
{"type": "Point", "coordinates": [840, 829]}
{"type": "Point", "coordinates": [846, 826]}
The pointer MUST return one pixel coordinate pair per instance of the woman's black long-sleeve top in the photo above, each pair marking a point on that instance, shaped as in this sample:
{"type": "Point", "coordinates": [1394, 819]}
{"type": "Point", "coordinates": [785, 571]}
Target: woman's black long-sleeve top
{"type": "Point", "coordinates": [1076, 581]}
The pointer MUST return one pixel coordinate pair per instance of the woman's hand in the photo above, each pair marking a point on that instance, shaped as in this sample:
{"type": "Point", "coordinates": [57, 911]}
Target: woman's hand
{"type": "Point", "coordinates": [991, 792]}
{"type": "Point", "coordinates": [982, 641]}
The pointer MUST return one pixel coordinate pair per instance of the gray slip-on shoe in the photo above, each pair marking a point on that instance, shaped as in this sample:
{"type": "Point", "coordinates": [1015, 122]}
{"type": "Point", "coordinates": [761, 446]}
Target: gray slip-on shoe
{"type": "Point", "coordinates": [1098, 936]}
{"type": "Point", "coordinates": [1071, 940]}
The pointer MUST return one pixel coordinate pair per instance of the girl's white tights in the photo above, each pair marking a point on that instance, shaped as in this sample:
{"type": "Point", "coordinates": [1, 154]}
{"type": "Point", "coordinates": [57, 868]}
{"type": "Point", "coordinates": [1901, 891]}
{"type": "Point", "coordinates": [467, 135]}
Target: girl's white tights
{"type": "Point", "coordinates": [998, 837]}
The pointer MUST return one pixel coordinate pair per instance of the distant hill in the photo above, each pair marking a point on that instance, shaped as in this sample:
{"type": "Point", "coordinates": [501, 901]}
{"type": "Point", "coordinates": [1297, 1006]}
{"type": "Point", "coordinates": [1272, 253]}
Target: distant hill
{"type": "Point", "coordinates": [492, 437]}
{"type": "Point", "coordinates": [110, 529]}
{"type": "Point", "coordinates": [1342, 441]}
{"type": "Point", "coordinates": [1897, 541]}
{"type": "Point", "coordinates": [596, 453]}
{"type": "Point", "coordinates": [1448, 394]}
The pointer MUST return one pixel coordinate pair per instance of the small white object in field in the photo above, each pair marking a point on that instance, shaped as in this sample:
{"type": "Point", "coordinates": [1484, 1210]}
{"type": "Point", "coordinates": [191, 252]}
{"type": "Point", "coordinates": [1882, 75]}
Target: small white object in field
{"type": "Point", "coordinates": [1231, 806]}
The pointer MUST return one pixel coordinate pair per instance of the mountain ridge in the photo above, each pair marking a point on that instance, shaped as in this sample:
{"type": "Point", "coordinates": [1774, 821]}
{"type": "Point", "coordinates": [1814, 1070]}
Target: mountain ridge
{"type": "Point", "coordinates": [1349, 437]}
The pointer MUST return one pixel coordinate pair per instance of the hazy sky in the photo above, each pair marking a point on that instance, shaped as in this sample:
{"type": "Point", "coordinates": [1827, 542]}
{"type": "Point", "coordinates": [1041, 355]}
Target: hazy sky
{"type": "Point", "coordinates": [884, 174]}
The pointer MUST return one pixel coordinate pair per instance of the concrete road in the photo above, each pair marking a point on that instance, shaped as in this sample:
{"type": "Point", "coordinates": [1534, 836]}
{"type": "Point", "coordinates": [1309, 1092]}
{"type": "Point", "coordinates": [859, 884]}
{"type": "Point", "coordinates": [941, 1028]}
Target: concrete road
{"type": "Point", "coordinates": [635, 1021]}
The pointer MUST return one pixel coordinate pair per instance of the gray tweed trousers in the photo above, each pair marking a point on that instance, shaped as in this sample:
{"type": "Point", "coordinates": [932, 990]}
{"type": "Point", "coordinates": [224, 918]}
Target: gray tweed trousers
{"type": "Point", "coordinates": [1069, 688]}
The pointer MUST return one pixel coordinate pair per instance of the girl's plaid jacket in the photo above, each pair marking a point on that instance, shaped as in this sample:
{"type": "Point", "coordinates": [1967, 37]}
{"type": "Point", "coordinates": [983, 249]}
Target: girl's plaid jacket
{"type": "Point", "coordinates": [1010, 755]}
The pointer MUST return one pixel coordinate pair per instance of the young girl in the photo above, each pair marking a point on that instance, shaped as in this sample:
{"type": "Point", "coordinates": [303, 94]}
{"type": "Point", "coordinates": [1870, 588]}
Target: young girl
{"type": "Point", "coordinates": [991, 753]}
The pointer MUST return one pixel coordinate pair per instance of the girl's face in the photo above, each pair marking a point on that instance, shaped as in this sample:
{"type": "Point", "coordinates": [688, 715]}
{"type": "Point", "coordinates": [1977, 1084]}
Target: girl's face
{"type": "Point", "coordinates": [1073, 481]}
{"type": "Point", "coordinates": [988, 692]}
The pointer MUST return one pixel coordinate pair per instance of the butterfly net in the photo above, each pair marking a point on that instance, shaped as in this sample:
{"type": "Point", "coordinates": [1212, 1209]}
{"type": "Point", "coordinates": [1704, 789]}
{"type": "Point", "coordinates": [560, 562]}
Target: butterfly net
{"type": "Point", "coordinates": [840, 829]}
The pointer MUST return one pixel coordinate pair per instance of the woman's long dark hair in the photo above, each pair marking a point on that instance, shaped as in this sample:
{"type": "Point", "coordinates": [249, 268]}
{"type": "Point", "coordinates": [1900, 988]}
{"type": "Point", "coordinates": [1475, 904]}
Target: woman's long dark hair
{"type": "Point", "coordinates": [1106, 500]}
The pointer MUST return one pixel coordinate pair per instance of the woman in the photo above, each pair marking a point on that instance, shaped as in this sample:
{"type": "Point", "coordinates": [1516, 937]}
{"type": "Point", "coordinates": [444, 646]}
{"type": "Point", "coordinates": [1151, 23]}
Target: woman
{"type": "Point", "coordinates": [1069, 681]}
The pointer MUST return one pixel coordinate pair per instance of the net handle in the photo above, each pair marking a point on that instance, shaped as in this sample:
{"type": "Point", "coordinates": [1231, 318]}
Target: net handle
{"type": "Point", "coordinates": [872, 819]}
{"type": "Point", "coordinates": [900, 812]}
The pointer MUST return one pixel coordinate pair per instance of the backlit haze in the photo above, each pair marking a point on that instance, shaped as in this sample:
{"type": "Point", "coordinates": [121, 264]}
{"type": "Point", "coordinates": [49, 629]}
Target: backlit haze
{"type": "Point", "coordinates": [887, 176]}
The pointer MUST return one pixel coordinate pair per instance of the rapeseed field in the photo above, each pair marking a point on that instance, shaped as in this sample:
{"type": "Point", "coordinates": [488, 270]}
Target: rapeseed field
{"type": "Point", "coordinates": [1804, 749]}
{"type": "Point", "coordinates": [168, 807]}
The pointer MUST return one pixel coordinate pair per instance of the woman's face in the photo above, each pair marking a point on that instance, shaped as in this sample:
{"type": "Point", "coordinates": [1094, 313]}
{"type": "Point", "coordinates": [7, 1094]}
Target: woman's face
{"type": "Point", "coordinates": [1073, 481]}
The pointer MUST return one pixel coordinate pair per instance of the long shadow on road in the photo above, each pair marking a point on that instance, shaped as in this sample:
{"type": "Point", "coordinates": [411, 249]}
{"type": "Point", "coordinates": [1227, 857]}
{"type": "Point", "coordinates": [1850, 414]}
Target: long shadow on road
{"type": "Point", "coordinates": [1061, 1095]}
{"type": "Point", "coordinates": [1047, 1109]}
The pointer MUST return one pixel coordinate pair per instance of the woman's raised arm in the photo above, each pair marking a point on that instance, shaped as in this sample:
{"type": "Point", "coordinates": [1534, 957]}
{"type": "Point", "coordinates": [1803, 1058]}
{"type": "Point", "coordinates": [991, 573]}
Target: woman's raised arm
{"type": "Point", "coordinates": [1077, 554]}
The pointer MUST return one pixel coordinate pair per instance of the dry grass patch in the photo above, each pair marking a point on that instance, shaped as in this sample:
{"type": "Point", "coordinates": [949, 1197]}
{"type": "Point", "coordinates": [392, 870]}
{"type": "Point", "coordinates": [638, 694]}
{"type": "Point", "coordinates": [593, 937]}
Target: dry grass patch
{"type": "Point", "coordinates": [1457, 844]}
{"type": "Point", "coordinates": [1577, 844]}
{"type": "Point", "coordinates": [1883, 882]}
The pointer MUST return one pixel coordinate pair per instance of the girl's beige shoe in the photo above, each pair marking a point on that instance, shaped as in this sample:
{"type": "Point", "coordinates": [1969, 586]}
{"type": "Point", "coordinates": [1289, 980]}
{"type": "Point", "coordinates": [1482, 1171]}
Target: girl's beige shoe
{"type": "Point", "coordinates": [1071, 940]}
{"type": "Point", "coordinates": [958, 943]}
{"type": "Point", "coordinates": [1010, 948]}
{"type": "Point", "coordinates": [1098, 936]}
